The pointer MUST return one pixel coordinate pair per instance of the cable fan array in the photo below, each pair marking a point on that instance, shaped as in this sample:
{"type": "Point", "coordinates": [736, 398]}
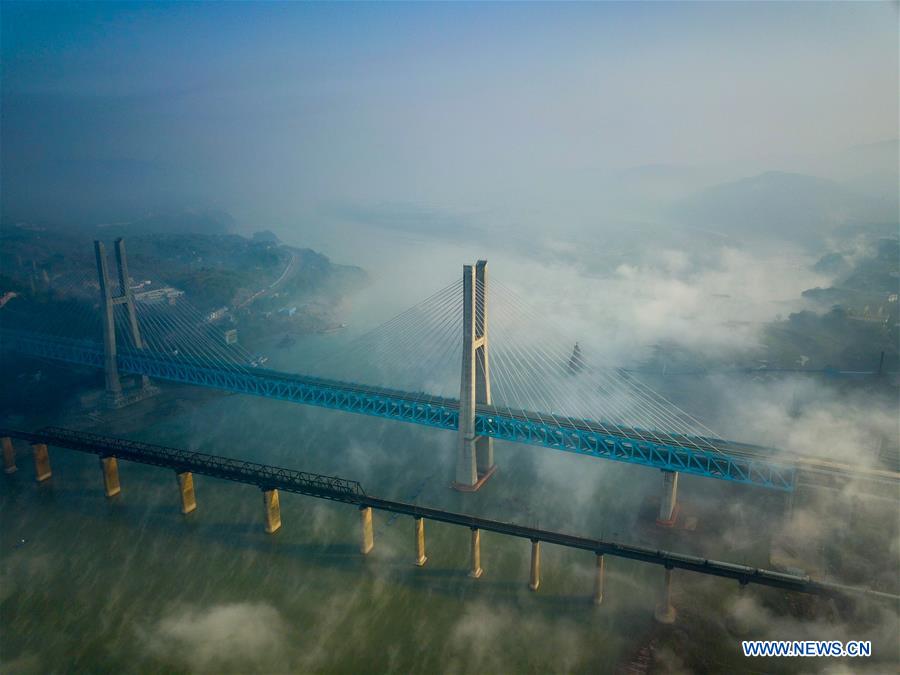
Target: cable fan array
{"type": "Point", "coordinates": [177, 331]}
{"type": "Point", "coordinates": [533, 370]}
{"type": "Point", "coordinates": [417, 351]}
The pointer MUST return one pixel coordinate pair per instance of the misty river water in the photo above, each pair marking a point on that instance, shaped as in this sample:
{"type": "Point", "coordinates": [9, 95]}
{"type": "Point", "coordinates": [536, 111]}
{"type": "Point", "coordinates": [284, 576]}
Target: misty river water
{"type": "Point", "coordinates": [129, 584]}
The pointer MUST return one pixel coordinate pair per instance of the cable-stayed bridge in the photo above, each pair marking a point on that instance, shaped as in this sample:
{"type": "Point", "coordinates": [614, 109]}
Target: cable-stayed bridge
{"type": "Point", "coordinates": [471, 358]}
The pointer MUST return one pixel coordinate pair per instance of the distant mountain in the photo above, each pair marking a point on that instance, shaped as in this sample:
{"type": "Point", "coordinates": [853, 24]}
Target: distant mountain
{"type": "Point", "coordinates": [870, 169]}
{"type": "Point", "coordinates": [668, 182]}
{"type": "Point", "coordinates": [789, 205]}
{"type": "Point", "coordinates": [266, 237]}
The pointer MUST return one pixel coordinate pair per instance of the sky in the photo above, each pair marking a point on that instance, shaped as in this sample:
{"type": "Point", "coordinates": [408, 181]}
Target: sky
{"type": "Point", "coordinates": [268, 110]}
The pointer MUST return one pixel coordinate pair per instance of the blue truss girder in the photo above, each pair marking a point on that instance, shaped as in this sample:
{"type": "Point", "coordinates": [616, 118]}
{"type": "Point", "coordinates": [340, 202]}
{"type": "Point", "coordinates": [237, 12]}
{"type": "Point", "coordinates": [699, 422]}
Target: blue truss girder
{"type": "Point", "coordinates": [720, 465]}
{"type": "Point", "coordinates": [427, 411]}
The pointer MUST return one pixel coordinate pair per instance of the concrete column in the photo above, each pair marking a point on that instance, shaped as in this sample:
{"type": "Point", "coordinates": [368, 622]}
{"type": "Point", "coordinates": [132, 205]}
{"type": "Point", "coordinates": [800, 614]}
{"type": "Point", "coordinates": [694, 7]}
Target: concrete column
{"type": "Point", "coordinates": [110, 466]}
{"type": "Point", "coordinates": [484, 457]}
{"type": "Point", "coordinates": [126, 292]}
{"type": "Point", "coordinates": [475, 551]}
{"type": "Point", "coordinates": [9, 455]}
{"type": "Point", "coordinates": [368, 537]}
{"type": "Point", "coordinates": [466, 462]}
{"type": "Point", "coordinates": [420, 542]}
{"type": "Point", "coordinates": [111, 369]}
{"type": "Point", "coordinates": [475, 455]}
{"type": "Point", "coordinates": [41, 462]}
{"type": "Point", "coordinates": [665, 612]}
{"type": "Point", "coordinates": [272, 511]}
{"type": "Point", "coordinates": [535, 581]}
{"type": "Point", "coordinates": [598, 579]}
{"type": "Point", "coordinates": [668, 504]}
{"type": "Point", "coordinates": [186, 487]}
{"type": "Point", "coordinates": [484, 445]}
{"type": "Point", "coordinates": [789, 505]}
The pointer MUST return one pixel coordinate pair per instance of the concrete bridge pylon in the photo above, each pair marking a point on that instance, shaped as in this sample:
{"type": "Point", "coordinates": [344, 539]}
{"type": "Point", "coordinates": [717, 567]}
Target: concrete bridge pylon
{"type": "Point", "coordinates": [475, 457]}
{"type": "Point", "coordinates": [116, 397]}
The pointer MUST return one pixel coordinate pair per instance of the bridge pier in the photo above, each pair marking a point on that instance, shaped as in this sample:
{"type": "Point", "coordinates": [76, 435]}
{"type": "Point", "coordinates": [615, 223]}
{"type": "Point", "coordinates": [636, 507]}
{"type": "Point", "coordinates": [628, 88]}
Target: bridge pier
{"type": "Point", "coordinates": [535, 581]}
{"type": "Point", "coordinates": [110, 466]}
{"type": "Point", "coordinates": [789, 505]}
{"type": "Point", "coordinates": [368, 537]}
{"type": "Point", "coordinates": [475, 455]}
{"type": "Point", "coordinates": [186, 488]}
{"type": "Point", "coordinates": [484, 458]}
{"type": "Point", "coordinates": [421, 559]}
{"type": "Point", "coordinates": [41, 462]}
{"type": "Point", "coordinates": [9, 455]}
{"type": "Point", "coordinates": [668, 505]}
{"type": "Point", "coordinates": [272, 511]}
{"type": "Point", "coordinates": [665, 612]}
{"type": "Point", "coordinates": [475, 570]}
{"type": "Point", "coordinates": [599, 579]}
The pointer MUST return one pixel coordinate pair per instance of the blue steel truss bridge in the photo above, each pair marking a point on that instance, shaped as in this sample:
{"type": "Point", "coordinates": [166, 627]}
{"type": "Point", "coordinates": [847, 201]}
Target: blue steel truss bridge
{"type": "Point", "coordinates": [474, 375]}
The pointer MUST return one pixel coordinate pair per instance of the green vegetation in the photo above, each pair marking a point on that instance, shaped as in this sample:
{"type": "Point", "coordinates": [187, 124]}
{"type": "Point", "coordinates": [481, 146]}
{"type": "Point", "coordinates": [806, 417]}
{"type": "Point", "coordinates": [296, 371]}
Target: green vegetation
{"type": "Point", "coordinates": [254, 278]}
{"type": "Point", "coordinates": [210, 287]}
{"type": "Point", "coordinates": [861, 320]}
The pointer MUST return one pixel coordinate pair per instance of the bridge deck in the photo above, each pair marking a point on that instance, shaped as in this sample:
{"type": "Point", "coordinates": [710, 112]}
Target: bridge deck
{"type": "Point", "coordinates": [579, 436]}
{"type": "Point", "coordinates": [735, 462]}
{"type": "Point", "coordinates": [268, 477]}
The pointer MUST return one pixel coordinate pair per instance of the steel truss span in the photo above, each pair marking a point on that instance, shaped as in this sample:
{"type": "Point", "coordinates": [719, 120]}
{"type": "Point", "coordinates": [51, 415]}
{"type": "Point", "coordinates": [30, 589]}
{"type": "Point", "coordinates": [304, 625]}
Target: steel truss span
{"type": "Point", "coordinates": [734, 463]}
{"type": "Point", "coordinates": [264, 476]}
{"type": "Point", "coordinates": [268, 477]}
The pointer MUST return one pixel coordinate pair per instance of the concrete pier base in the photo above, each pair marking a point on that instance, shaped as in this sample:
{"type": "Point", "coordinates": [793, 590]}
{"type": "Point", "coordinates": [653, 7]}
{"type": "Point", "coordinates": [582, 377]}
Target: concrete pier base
{"type": "Point", "coordinates": [535, 581]}
{"type": "Point", "coordinates": [475, 570]}
{"type": "Point", "coordinates": [599, 579]}
{"type": "Point", "coordinates": [466, 465]}
{"type": "Point", "coordinates": [479, 481]}
{"type": "Point", "coordinates": [272, 511]}
{"type": "Point", "coordinates": [421, 559]}
{"type": "Point", "coordinates": [125, 397]}
{"type": "Point", "coordinates": [9, 455]}
{"type": "Point", "coordinates": [186, 488]}
{"type": "Point", "coordinates": [110, 466]}
{"type": "Point", "coordinates": [41, 462]}
{"type": "Point", "coordinates": [665, 612]}
{"type": "Point", "coordinates": [484, 454]}
{"type": "Point", "coordinates": [788, 505]}
{"type": "Point", "coordinates": [668, 505]}
{"type": "Point", "coordinates": [368, 537]}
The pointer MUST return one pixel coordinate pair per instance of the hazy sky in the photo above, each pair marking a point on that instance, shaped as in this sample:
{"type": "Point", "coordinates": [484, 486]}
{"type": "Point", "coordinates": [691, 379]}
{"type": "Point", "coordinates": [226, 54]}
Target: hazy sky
{"type": "Point", "coordinates": [264, 108]}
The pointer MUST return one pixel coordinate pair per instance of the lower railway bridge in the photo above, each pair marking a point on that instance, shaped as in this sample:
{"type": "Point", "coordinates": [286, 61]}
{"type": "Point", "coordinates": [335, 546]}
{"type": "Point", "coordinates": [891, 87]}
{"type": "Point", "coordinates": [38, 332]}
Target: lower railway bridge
{"type": "Point", "coordinates": [272, 480]}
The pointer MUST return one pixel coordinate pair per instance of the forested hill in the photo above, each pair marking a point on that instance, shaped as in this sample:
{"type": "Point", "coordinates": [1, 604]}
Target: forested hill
{"type": "Point", "coordinates": [213, 270]}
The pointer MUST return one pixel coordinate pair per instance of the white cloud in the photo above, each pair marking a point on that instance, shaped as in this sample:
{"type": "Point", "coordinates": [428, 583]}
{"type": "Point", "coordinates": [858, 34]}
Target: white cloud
{"type": "Point", "coordinates": [801, 416]}
{"type": "Point", "coordinates": [713, 301]}
{"type": "Point", "coordinates": [235, 637]}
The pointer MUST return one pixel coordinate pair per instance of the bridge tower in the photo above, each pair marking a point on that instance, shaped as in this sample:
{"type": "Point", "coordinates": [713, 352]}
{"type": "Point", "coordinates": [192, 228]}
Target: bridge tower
{"type": "Point", "coordinates": [115, 394]}
{"type": "Point", "coordinates": [475, 458]}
